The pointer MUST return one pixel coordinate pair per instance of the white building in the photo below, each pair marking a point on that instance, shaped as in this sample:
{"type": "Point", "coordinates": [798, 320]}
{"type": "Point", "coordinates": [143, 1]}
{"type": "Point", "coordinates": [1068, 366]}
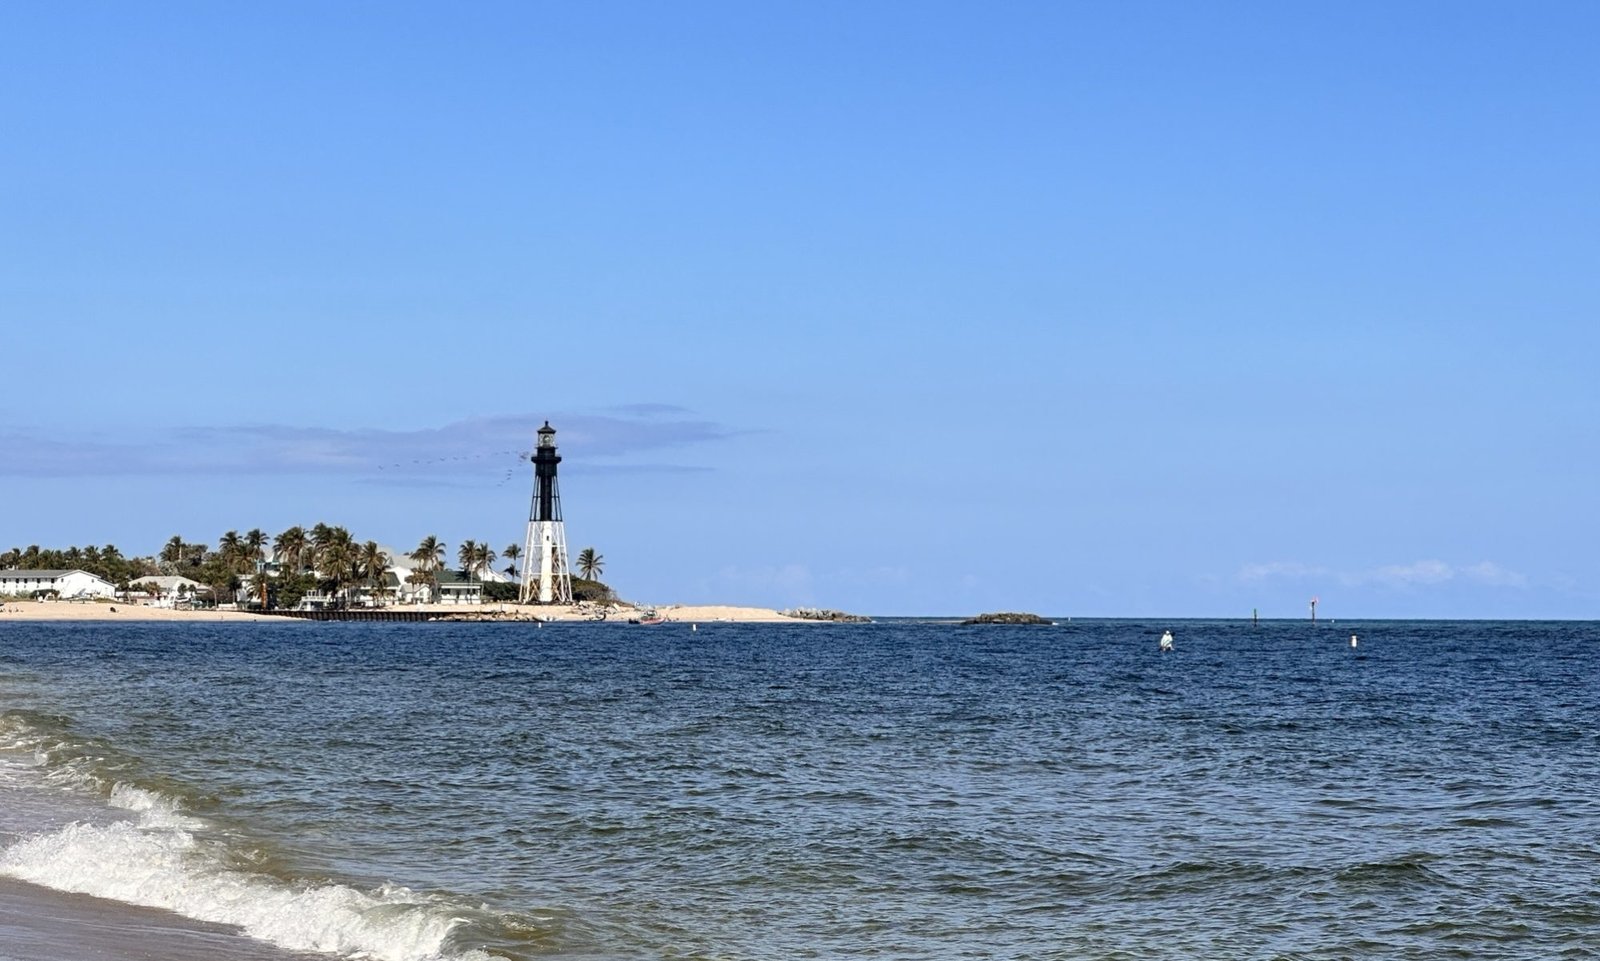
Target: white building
{"type": "Point", "coordinates": [66, 584]}
{"type": "Point", "coordinates": [455, 589]}
{"type": "Point", "coordinates": [167, 590]}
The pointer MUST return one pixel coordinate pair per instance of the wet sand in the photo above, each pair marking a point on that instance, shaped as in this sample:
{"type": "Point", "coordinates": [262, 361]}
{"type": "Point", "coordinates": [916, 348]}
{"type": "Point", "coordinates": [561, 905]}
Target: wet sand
{"type": "Point", "coordinates": [38, 924]}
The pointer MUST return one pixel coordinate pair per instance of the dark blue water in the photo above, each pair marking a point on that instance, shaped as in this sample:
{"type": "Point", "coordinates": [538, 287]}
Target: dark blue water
{"type": "Point", "coordinates": [901, 790]}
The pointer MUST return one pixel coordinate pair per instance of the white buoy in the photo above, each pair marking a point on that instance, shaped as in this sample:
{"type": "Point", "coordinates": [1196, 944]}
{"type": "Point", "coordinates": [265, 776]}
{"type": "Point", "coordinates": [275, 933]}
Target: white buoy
{"type": "Point", "coordinates": [1166, 640]}
{"type": "Point", "coordinates": [694, 627]}
{"type": "Point", "coordinates": [1353, 640]}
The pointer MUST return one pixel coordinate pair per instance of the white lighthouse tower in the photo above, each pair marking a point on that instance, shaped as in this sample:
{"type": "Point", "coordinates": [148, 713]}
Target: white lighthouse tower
{"type": "Point", "coordinates": [546, 578]}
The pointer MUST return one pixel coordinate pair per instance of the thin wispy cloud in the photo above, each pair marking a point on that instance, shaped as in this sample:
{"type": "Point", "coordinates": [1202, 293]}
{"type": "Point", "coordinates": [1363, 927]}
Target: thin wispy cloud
{"type": "Point", "coordinates": [649, 410]}
{"type": "Point", "coordinates": [1417, 574]}
{"type": "Point", "coordinates": [1285, 569]}
{"type": "Point", "coordinates": [1493, 575]}
{"type": "Point", "coordinates": [478, 446]}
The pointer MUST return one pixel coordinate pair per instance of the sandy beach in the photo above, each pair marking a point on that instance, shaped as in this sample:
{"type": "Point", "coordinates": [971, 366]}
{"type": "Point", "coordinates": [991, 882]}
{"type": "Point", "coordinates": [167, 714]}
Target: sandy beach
{"type": "Point", "coordinates": [69, 611]}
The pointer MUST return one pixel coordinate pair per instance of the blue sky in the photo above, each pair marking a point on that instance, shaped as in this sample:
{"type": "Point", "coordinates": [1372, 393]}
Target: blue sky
{"type": "Point", "coordinates": [1112, 309]}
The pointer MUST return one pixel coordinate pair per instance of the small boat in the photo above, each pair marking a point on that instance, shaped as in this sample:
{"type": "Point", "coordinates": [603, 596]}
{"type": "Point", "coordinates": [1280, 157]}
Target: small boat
{"type": "Point", "coordinates": [648, 618]}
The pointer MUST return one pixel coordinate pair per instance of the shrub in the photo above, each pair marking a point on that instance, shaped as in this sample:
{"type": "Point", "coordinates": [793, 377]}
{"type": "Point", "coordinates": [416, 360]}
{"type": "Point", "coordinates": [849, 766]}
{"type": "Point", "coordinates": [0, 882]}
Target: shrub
{"type": "Point", "coordinates": [584, 589]}
{"type": "Point", "coordinates": [500, 593]}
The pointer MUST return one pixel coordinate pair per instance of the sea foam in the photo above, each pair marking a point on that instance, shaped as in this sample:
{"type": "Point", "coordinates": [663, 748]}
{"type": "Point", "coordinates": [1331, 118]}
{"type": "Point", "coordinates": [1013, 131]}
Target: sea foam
{"type": "Point", "coordinates": [149, 862]}
{"type": "Point", "coordinates": [150, 852]}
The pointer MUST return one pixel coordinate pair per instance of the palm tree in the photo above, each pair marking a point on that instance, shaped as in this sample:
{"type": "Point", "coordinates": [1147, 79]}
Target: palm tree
{"type": "Point", "coordinates": [172, 552]}
{"type": "Point", "coordinates": [429, 555]}
{"type": "Point", "coordinates": [289, 547]}
{"type": "Point", "coordinates": [590, 564]}
{"type": "Point", "coordinates": [467, 554]}
{"type": "Point", "coordinates": [374, 567]}
{"type": "Point", "coordinates": [255, 541]}
{"type": "Point", "coordinates": [233, 554]}
{"type": "Point", "coordinates": [484, 560]}
{"type": "Point", "coordinates": [336, 562]}
{"type": "Point", "coordinates": [321, 538]}
{"type": "Point", "coordinates": [417, 577]}
{"type": "Point", "coordinates": [511, 553]}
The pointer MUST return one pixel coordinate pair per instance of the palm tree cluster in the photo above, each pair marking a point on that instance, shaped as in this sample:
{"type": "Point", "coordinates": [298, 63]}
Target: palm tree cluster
{"type": "Point", "coordinates": [429, 558]}
{"type": "Point", "coordinates": [475, 558]}
{"type": "Point", "coordinates": [282, 569]}
{"type": "Point", "coordinates": [177, 553]}
{"type": "Point", "coordinates": [106, 562]}
{"type": "Point", "coordinates": [338, 562]}
{"type": "Point", "coordinates": [242, 556]}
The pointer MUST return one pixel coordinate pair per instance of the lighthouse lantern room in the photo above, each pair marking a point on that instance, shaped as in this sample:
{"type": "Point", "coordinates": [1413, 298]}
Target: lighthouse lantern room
{"type": "Point", "coordinates": [546, 578]}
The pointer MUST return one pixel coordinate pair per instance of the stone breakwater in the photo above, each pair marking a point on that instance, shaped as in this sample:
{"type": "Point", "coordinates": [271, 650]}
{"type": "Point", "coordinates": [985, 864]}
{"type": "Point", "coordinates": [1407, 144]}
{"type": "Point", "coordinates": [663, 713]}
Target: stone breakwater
{"type": "Point", "coordinates": [823, 614]}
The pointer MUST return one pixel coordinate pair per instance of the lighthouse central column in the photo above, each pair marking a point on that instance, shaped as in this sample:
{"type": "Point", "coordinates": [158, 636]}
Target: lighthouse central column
{"type": "Point", "coordinates": [545, 576]}
{"type": "Point", "coordinates": [547, 562]}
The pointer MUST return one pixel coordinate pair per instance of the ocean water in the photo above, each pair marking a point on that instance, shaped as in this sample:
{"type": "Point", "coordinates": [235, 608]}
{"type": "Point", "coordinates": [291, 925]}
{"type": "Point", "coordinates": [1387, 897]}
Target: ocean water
{"type": "Point", "coordinates": [900, 790]}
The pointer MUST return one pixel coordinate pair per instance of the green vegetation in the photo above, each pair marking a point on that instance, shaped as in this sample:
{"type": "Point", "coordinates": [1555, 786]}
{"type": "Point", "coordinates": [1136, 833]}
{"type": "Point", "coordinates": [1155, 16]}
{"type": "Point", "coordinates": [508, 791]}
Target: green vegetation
{"type": "Point", "coordinates": [257, 569]}
{"type": "Point", "coordinates": [497, 593]}
{"type": "Point", "coordinates": [475, 558]}
{"type": "Point", "coordinates": [106, 562]}
{"type": "Point", "coordinates": [584, 589]}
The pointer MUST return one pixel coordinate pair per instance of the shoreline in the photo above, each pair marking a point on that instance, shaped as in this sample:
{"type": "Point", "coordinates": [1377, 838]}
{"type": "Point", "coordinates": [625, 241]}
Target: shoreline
{"type": "Point", "coordinates": [479, 613]}
{"type": "Point", "coordinates": [45, 924]}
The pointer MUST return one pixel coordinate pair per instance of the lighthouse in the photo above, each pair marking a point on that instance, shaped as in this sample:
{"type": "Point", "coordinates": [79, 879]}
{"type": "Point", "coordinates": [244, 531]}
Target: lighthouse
{"type": "Point", "coordinates": [545, 576]}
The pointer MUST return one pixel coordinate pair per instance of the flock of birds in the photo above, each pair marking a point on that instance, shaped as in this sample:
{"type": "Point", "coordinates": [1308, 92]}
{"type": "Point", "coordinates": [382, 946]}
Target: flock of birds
{"type": "Point", "coordinates": [463, 460]}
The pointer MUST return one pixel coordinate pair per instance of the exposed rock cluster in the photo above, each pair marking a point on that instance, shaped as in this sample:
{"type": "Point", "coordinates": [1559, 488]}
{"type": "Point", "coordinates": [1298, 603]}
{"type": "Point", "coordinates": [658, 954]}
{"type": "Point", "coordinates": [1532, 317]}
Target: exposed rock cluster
{"type": "Point", "coordinates": [820, 614]}
{"type": "Point", "coordinates": [1008, 617]}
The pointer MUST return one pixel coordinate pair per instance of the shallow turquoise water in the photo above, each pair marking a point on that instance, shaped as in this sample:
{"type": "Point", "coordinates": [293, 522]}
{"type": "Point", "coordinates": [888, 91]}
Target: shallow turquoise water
{"type": "Point", "coordinates": [900, 790]}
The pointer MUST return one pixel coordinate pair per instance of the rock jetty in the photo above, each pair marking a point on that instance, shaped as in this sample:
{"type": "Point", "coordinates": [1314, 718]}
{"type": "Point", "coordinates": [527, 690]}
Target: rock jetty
{"type": "Point", "coordinates": [1007, 618]}
{"type": "Point", "coordinates": [819, 614]}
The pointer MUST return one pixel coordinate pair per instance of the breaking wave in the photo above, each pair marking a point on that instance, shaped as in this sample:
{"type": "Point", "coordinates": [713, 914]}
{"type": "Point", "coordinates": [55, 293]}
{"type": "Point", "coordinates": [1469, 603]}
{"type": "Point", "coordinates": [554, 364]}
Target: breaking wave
{"type": "Point", "coordinates": [151, 852]}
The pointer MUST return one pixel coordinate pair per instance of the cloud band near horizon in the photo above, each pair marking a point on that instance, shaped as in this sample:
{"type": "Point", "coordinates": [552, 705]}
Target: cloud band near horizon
{"type": "Point", "coordinates": [1422, 573]}
{"type": "Point", "coordinates": [607, 441]}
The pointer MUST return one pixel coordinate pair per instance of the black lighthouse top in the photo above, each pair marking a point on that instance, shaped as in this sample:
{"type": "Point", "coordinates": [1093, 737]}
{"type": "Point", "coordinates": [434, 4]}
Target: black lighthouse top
{"type": "Point", "coordinates": [546, 501]}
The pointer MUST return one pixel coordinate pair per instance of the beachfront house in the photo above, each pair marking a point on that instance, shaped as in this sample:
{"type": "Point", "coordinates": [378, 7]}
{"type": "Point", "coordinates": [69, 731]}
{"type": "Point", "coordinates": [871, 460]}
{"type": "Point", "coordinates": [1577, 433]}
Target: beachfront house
{"type": "Point", "coordinates": [64, 584]}
{"type": "Point", "coordinates": [166, 591]}
{"type": "Point", "coordinates": [403, 583]}
{"type": "Point", "coordinates": [455, 589]}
